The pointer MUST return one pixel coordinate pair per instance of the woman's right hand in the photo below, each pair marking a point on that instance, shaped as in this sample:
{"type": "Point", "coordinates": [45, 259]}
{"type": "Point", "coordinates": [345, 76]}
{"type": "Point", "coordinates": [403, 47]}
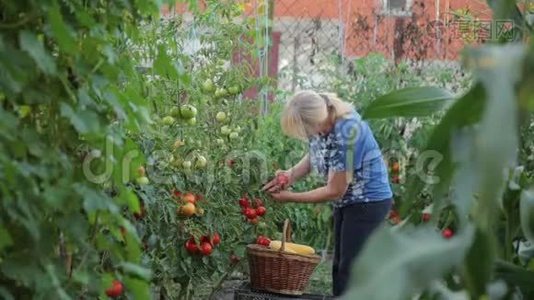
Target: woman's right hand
{"type": "Point", "coordinates": [281, 181]}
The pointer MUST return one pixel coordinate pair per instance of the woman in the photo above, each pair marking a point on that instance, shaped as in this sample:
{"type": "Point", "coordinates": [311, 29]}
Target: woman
{"type": "Point", "coordinates": [342, 148]}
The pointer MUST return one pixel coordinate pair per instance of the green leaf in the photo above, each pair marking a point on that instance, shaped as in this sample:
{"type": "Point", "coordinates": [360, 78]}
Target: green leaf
{"type": "Point", "coordinates": [164, 66]}
{"type": "Point", "coordinates": [94, 200]}
{"type": "Point", "coordinates": [5, 238]}
{"type": "Point", "coordinates": [408, 261]}
{"type": "Point", "coordinates": [61, 31]}
{"type": "Point", "coordinates": [5, 294]}
{"type": "Point", "coordinates": [84, 121]}
{"type": "Point", "coordinates": [464, 184]}
{"type": "Point", "coordinates": [56, 282]}
{"type": "Point", "coordinates": [35, 48]}
{"type": "Point", "coordinates": [498, 69]}
{"type": "Point", "coordinates": [527, 214]}
{"type": "Point", "coordinates": [138, 288]}
{"type": "Point", "coordinates": [129, 198]}
{"type": "Point", "coordinates": [515, 275]}
{"type": "Point", "coordinates": [479, 263]}
{"type": "Point", "coordinates": [409, 102]}
{"type": "Point", "coordinates": [439, 168]}
{"type": "Point", "coordinates": [19, 267]}
{"type": "Point", "coordinates": [136, 270]}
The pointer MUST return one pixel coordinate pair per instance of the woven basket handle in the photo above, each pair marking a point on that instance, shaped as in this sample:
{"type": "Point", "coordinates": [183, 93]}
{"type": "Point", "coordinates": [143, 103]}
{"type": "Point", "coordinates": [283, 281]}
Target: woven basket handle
{"type": "Point", "coordinates": [286, 236]}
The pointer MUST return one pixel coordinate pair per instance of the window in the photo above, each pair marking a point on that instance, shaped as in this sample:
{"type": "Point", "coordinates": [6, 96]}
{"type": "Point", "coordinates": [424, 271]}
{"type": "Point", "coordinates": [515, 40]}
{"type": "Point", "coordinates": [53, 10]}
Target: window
{"type": "Point", "coordinates": [397, 7]}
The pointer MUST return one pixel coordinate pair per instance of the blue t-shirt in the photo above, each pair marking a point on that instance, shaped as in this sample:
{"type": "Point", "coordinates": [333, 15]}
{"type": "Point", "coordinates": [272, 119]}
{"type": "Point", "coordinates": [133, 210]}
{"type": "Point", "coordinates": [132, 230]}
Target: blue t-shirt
{"type": "Point", "coordinates": [352, 146]}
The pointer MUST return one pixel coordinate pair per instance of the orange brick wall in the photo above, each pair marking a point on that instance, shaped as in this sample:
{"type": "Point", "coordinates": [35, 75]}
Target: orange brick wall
{"type": "Point", "coordinates": [383, 32]}
{"type": "Point", "coordinates": [380, 37]}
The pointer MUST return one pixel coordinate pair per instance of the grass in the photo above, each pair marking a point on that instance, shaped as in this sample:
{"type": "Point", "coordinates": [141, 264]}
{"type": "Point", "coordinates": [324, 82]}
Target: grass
{"type": "Point", "coordinates": [321, 280]}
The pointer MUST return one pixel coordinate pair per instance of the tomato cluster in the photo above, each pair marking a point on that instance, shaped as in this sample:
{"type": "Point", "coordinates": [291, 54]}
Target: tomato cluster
{"type": "Point", "coordinates": [252, 213]}
{"type": "Point", "coordinates": [206, 245]}
{"type": "Point", "coordinates": [188, 203]}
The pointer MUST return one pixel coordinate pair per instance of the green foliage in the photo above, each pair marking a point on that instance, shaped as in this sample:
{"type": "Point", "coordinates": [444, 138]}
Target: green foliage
{"type": "Point", "coordinates": [65, 87]}
{"type": "Point", "coordinates": [477, 139]}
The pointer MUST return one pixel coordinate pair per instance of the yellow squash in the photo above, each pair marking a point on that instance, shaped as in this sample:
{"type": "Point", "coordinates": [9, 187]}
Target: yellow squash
{"type": "Point", "coordinates": [297, 248]}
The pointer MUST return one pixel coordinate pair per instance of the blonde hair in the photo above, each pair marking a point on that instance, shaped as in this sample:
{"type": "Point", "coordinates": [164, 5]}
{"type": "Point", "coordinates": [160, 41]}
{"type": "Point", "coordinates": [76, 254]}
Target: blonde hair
{"type": "Point", "coordinates": [308, 108]}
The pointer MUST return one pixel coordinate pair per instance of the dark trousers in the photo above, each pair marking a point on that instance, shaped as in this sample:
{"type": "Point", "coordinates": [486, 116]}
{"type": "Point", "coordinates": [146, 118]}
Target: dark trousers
{"type": "Point", "coordinates": [353, 224]}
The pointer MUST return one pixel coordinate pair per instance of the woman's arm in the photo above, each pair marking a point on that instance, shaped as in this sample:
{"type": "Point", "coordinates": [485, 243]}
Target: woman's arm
{"type": "Point", "coordinates": [301, 169]}
{"type": "Point", "coordinates": [335, 189]}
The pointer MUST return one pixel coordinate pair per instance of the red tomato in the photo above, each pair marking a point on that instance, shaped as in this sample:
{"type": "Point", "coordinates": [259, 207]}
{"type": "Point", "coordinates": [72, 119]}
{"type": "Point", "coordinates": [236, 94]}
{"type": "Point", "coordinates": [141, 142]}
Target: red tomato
{"type": "Point", "coordinates": [282, 179]}
{"type": "Point", "coordinates": [260, 211]}
{"type": "Point", "coordinates": [191, 246]}
{"type": "Point", "coordinates": [263, 241]}
{"type": "Point", "coordinates": [447, 233]}
{"type": "Point", "coordinates": [176, 193]}
{"type": "Point", "coordinates": [189, 197]}
{"type": "Point", "coordinates": [394, 217]}
{"type": "Point", "coordinates": [115, 290]}
{"type": "Point", "coordinates": [426, 217]}
{"type": "Point", "coordinates": [250, 213]}
{"type": "Point", "coordinates": [206, 249]}
{"type": "Point", "coordinates": [393, 214]}
{"type": "Point", "coordinates": [243, 202]}
{"type": "Point", "coordinates": [216, 239]}
{"type": "Point", "coordinates": [205, 239]}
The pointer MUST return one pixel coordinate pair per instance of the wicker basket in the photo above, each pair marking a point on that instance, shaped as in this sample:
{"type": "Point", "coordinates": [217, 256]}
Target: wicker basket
{"type": "Point", "coordinates": [280, 272]}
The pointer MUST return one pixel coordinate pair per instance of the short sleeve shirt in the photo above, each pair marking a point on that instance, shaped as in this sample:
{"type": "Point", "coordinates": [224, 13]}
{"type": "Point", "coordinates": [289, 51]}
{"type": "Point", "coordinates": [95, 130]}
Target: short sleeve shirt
{"type": "Point", "coordinates": [351, 147]}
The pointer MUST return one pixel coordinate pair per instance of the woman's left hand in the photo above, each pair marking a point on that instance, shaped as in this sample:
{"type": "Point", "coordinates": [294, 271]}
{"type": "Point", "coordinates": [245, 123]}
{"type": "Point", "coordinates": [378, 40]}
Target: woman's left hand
{"type": "Point", "coordinates": [282, 196]}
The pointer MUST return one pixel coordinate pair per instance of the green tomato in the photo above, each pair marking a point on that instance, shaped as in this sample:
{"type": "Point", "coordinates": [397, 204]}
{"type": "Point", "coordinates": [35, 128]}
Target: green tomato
{"type": "Point", "coordinates": [219, 141]}
{"type": "Point", "coordinates": [234, 135]}
{"type": "Point", "coordinates": [143, 180]}
{"type": "Point", "coordinates": [201, 162]}
{"type": "Point", "coordinates": [221, 116]}
{"type": "Point", "coordinates": [168, 120]}
{"type": "Point", "coordinates": [225, 130]}
{"type": "Point", "coordinates": [192, 121]}
{"type": "Point", "coordinates": [188, 111]}
{"type": "Point", "coordinates": [221, 92]}
{"type": "Point", "coordinates": [177, 162]}
{"type": "Point", "coordinates": [175, 112]}
{"type": "Point", "coordinates": [233, 90]}
{"type": "Point", "coordinates": [208, 86]}
{"type": "Point", "coordinates": [186, 164]}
